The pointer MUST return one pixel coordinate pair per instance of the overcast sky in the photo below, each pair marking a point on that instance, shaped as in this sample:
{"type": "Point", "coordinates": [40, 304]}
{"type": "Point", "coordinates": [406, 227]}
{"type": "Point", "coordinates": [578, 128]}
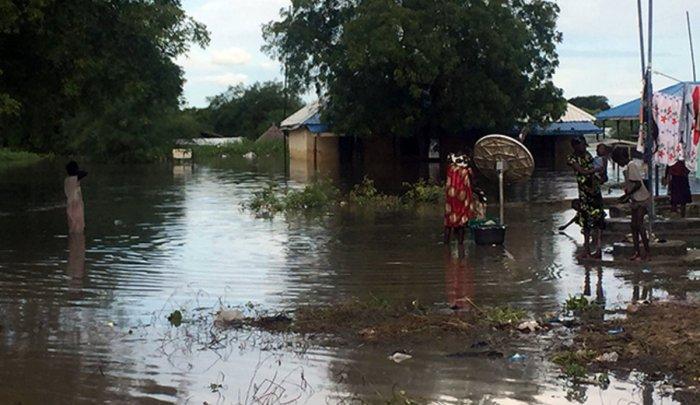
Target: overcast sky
{"type": "Point", "coordinates": [599, 54]}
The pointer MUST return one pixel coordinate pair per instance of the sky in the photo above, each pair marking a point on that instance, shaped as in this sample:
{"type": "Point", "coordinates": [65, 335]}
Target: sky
{"type": "Point", "coordinates": [599, 53]}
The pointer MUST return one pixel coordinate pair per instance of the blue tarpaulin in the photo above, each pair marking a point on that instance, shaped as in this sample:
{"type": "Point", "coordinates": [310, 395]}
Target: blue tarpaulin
{"type": "Point", "coordinates": [630, 109]}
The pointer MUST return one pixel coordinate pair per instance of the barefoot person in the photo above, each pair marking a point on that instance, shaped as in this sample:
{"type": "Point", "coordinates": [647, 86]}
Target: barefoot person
{"type": "Point", "coordinates": [591, 216]}
{"type": "Point", "coordinates": [74, 198]}
{"type": "Point", "coordinates": [639, 198]}
{"type": "Point", "coordinates": [458, 196]}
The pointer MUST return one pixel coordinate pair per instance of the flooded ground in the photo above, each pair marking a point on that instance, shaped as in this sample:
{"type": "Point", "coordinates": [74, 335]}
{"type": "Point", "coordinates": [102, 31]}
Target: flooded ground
{"type": "Point", "coordinates": [85, 320]}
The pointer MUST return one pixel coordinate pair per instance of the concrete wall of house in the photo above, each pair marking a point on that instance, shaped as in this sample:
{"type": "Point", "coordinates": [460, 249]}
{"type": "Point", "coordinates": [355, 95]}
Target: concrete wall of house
{"type": "Point", "coordinates": [313, 155]}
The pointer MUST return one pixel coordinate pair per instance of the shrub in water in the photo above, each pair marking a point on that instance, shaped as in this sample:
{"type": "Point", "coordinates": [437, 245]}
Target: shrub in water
{"type": "Point", "coordinates": [423, 192]}
{"type": "Point", "coordinates": [317, 195]}
{"type": "Point", "coordinates": [366, 195]}
{"type": "Point", "coordinates": [266, 202]}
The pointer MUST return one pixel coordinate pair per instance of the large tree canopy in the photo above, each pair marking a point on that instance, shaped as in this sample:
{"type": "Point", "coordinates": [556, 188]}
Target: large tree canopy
{"type": "Point", "coordinates": [93, 77]}
{"type": "Point", "coordinates": [423, 67]}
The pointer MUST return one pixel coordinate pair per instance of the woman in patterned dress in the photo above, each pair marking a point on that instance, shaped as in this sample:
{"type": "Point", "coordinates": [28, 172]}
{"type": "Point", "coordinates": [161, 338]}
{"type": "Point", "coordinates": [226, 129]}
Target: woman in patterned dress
{"type": "Point", "coordinates": [591, 216]}
{"type": "Point", "coordinates": [458, 196]}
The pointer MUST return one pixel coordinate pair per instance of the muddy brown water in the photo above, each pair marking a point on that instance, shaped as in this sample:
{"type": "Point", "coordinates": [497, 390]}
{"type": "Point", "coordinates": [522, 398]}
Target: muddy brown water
{"type": "Point", "coordinates": [84, 321]}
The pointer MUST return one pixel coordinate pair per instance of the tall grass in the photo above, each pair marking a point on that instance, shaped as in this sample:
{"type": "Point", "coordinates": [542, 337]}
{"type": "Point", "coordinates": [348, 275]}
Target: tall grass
{"type": "Point", "coordinates": [13, 158]}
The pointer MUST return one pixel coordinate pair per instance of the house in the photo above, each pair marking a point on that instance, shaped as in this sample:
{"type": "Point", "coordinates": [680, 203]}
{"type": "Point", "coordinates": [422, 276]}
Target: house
{"type": "Point", "coordinates": [272, 134]}
{"type": "Point", "coordinates": [551, 146]}
{"type": "Point", "coordinates": [312, 147]}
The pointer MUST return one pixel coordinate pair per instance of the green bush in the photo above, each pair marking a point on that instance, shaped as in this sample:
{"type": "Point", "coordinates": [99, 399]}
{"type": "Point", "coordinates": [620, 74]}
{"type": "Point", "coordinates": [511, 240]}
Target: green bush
{"type": "Point", "coordinates": [366, 194]}
{"type": "Point", "coordinates": [423, 192]}
{"type": "Point", "coordinates": [12, 158]}
{"type": "Point", "coordinates": [318, 195]}
{"type": "Point", "coordinates": [266, 202]}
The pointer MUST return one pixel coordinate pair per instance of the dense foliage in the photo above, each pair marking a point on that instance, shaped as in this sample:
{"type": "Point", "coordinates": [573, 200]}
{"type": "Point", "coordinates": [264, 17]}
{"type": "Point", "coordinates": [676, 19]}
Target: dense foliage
{"type": "Point", "coordinates": [94, 77]}
{"type": "Point", "coordinates": [591, 104]}
{"type": "Point", "coordinates": [423, 67]}
{"type": "Point", "coordinates": [249, 111]}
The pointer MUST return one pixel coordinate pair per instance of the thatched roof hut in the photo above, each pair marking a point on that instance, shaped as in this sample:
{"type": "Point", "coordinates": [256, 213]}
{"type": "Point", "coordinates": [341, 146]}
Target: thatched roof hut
{"type": "Point", "coordinates": [272, 134]}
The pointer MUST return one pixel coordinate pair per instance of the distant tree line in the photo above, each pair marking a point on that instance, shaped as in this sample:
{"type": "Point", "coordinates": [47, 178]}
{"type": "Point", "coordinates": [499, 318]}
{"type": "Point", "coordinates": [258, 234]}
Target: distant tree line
{"type": "Point", "coordinates": [591, 104]}
{"type": "Point", "coordinates": [247, 111]}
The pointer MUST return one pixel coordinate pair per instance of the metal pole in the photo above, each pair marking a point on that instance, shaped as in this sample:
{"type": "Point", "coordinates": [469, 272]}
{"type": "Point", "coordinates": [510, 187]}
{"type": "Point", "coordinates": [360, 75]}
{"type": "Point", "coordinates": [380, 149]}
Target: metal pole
{"type": "Point", "coordinates": [641, 35]}
{"type": "Point", "coordinates": [651, 18]}
{"type": "Point", "coordinates": [500, 195]}
{"type": "Point", "coordinates": [690, 39]}
{"type": "Point", "coordinates": [649, 119]}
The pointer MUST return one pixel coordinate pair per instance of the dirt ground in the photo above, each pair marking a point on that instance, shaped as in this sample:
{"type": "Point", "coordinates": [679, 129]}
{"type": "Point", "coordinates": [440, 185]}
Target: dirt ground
{"type": "Point", "coordinates": [660, 339]}
{"type": "Point", "coordinates": [376, 321]}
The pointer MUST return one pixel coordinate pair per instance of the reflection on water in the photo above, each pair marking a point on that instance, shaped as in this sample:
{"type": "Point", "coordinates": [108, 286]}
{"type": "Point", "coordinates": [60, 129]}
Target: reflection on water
{"type": "Point", "coordinates": [88, 324]}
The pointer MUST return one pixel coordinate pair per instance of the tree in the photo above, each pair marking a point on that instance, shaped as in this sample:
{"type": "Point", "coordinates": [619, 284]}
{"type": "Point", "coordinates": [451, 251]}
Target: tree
{"type": "Point", "coordinates": [93, 77]}
{"type": "Point", "coordinates": [591, 104]}
{"type": "Point", "coordinates": [423, 67]}
{"type": "Point", "coordinates": [249, 111]}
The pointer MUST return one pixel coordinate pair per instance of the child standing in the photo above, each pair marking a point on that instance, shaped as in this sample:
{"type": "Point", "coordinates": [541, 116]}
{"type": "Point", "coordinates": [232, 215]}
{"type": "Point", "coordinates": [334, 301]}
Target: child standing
{"type": "Point", "coordinates": [638, 196]}
{"type": "Point", "coordinates": [75, 209]}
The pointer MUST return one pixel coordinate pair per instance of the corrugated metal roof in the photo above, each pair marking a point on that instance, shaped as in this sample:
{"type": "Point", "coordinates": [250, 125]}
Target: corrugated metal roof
{"type": "Point", "coordinates": [575, 114]}
{"type": "Point", "coordinates": [301, 117]}
{"type": "Point", "coordinates": [630, 109]}
{"type": "Point", "coordinates": [575, 121]}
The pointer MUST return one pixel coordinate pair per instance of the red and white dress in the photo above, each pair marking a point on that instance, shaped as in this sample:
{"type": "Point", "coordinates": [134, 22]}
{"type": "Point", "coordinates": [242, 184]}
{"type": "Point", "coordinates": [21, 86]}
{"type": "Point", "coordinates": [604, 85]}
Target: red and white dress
{"type": "Point", "coordinates": [458, 196]}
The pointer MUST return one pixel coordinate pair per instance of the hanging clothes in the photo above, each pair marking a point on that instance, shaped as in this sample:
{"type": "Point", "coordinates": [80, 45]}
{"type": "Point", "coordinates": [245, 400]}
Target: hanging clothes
{"type": "Point", "coordinates": [667, 115]}
{"type": "Point", "coordinates": [691, 126]}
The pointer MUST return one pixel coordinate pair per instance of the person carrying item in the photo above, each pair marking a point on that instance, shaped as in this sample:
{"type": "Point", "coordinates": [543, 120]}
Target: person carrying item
{"type": "Point", "coordinates": [458, 196]}
{"type": "Point", "coordinates": [591, 216]}
{"type": "Point", "coordinates": [638, 196]}
{"type": "Point", "coordinates": [75, 209]}
{"type": "Point", "coordinates": [600, 163]}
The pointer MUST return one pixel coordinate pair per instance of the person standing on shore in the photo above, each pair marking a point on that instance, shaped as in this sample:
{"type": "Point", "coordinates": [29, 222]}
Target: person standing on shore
{"type": "Point", "coordinates": [75, 209]}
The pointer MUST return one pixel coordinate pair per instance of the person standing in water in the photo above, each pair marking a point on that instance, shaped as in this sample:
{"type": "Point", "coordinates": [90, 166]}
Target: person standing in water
{"type": "Point", "coordinates": [458, 196]}
{"type": "Point", "coordinates": [74, 198]}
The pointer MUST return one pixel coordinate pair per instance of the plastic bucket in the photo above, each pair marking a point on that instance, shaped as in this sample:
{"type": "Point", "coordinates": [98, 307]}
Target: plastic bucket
{"type": "Point", "coordinates": [489, 235]}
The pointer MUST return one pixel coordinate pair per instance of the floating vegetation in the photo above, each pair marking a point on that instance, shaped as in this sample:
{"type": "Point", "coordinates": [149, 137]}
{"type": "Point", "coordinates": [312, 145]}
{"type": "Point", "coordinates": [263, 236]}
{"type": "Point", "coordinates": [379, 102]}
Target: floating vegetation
{"type": "Point", "coordinates": [175, 318]}
{"type": "Point", "coordinates": [321, 196]}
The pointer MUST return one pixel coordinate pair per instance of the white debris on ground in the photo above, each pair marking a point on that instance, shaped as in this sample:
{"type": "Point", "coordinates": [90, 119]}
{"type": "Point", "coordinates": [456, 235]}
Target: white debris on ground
{"type": "Point", "coordinates": [399, 357]}
{"type": "Point", "coordinates": [225, 316]}
{"type": "Point", "coordinates": [611, 357]}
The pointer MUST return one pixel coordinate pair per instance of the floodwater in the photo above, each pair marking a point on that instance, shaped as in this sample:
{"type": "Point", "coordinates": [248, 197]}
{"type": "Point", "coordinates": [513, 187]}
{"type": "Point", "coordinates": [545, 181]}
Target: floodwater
{"type": "Point", "coordinates": [84, 320]}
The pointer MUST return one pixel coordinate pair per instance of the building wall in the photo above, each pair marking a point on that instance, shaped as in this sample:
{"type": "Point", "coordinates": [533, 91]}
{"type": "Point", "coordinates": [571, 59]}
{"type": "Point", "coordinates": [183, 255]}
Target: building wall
{"type": "Point", "coordinates": [313, 155]}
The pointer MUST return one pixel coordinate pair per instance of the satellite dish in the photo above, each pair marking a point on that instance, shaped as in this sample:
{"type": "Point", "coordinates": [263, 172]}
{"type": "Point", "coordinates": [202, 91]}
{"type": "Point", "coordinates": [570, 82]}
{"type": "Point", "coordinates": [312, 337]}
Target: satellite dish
{"type": "Point", "coordinates": [517, 162]}
{"type": "Point", "coordinates": [502, 158]}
